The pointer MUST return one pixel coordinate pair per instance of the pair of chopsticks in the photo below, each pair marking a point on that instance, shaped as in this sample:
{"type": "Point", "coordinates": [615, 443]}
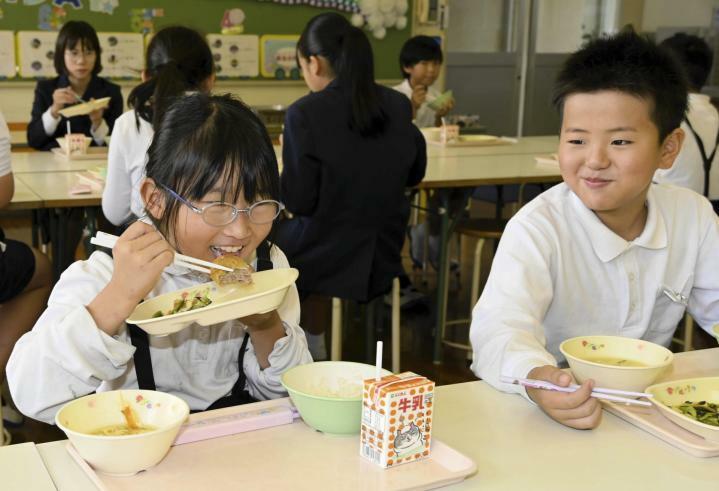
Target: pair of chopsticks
{"type": "Point", "coordinates": [598, 392]}
{"type": "Point", "coordinates": [108, 241]}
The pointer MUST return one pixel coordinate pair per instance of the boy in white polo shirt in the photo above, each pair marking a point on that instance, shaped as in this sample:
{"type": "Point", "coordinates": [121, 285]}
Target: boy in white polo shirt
{"type": "Point", "coordinates": [594, 254]}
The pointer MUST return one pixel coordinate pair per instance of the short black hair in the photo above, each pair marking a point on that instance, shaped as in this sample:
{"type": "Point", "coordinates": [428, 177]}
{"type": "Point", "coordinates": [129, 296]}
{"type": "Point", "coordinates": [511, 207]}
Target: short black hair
{"type": "Point", "coordinates": [203, 139]}
{"type": "Point", "coordinates": [695, 56]}
{"type": "Point", "coordinates": [416, 49]}
{"type": "Point", "coordinates": [71, 33]}
{"type": "Point", "coordinates": [632, 64]}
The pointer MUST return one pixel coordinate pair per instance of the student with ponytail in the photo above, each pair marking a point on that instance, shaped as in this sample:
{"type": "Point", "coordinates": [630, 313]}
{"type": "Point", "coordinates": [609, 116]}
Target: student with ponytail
{"type": "Point", "coordinates": [178, 61]}
{"type": "Point", "coordinates": [350, 151]}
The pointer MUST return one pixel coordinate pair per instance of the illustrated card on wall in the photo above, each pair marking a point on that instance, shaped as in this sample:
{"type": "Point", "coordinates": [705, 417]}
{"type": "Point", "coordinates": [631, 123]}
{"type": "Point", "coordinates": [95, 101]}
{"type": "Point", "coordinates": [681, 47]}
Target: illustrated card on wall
{"type": "Point", "coordinates": [279, 57]}
{"type": "Point", "coordinates": [122, 54]}
{"type": "Point", "coordinates": [36, 53]}
{"type": "Point", "coordinates": [235, 55]}
{"type": "Point", "coordinates": [7, 54]}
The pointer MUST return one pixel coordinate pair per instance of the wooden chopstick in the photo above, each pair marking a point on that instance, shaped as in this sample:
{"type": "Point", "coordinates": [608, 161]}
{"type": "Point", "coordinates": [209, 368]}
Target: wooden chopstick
{"type": "Point", "coordinates": [102, 239]}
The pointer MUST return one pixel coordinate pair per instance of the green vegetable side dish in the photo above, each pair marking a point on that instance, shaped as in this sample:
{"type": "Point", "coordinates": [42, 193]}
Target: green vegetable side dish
{"type": "Point", "coordinates": [702, 411]}
{"type": "Point", "coordinates": [187, 302]}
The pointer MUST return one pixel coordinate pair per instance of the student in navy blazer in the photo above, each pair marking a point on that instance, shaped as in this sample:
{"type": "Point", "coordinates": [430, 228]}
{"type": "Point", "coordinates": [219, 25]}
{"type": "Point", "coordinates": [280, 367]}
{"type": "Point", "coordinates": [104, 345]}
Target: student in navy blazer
{"type": "Point", "coordinates": [350, 151]}
{"type": "Point", "coordinates": [77, 62]}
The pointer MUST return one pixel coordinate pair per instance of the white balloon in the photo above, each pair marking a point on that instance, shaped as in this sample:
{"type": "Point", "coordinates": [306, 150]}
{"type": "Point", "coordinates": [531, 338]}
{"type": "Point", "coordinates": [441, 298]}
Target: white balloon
{"type": "Point", "coordinates": [379, 33]}
{"type": "Point", "coordinates": [369, 6]}
{"type": "Point", "coordinates": [357, 20]}
{"type": "Point", "coordinates": [390, 19]}
{"type": "Point", "coordinates": [401, 6]}
{"type": "Point", "coordinates": [401, 23]}
{"type": "Point", "coordinates": [386, 6]}
{"type": "Point", "coordinates": [374, 21]}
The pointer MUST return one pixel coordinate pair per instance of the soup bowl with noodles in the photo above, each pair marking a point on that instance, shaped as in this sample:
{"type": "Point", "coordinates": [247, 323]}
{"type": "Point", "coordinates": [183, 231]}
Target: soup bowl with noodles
{"type": "Point", "coordinates": [122, 432]}
{"type": "Point", "coordinates": [616, 362]}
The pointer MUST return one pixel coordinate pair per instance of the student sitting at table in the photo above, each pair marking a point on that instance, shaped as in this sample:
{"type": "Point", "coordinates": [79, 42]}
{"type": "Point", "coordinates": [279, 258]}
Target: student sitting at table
{"type": "Point", "coordinates": [697, 165]}
{"type": "Point", "coordinates": [421, 61]}
{"type": "Point", "coordinates": [211, 189]}
{"type": "Point", "coordinates": [25, 279]}
{"type": "Point", "coordinates": [77, 62]}
{"type": "Point", "coordinates": [178, 61]}
{"type": "Point", "coordinates": [350, 151]}
{"type": "Point", "coordinates": [595, 254]}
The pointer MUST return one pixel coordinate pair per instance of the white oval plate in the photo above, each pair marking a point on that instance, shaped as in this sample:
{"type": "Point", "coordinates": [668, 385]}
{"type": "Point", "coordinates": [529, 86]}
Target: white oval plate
{"type": "Point", "coordinates": [85, 107]}
{"type": "Point", "coordinates": [266, 293]}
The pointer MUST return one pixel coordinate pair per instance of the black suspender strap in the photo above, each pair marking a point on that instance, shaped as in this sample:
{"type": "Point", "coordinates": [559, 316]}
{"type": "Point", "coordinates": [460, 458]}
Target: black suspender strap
{"type": "Point", "coordinates": [143, 362]}
{"type": "Point", "coordinates": [706, 159]}
{"type": "Point", "coordinates": [264, 262]}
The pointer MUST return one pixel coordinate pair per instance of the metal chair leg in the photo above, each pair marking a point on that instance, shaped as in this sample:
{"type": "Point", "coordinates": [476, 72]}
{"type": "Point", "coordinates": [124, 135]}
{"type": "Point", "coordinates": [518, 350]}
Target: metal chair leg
{"type": "Point", "coordinates": [395, 326]}
{"type": "Point", "coordinates": [336, 348]}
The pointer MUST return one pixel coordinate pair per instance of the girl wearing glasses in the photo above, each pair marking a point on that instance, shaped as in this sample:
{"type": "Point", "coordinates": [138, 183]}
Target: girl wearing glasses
{"type": "Point", "coordinates": [211, 189]}
{"type": "Point", "coordinates": [178, 61]}
{"type": "Point", "coordinates": [77, 62]}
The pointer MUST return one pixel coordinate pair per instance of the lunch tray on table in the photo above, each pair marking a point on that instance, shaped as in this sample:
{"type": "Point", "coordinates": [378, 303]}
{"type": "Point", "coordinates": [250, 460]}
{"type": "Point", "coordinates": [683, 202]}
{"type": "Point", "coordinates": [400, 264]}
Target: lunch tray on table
{"type": "Point", "coordinates": [700, 363]}
{"type": "Point", "coordinates": [288, 456]}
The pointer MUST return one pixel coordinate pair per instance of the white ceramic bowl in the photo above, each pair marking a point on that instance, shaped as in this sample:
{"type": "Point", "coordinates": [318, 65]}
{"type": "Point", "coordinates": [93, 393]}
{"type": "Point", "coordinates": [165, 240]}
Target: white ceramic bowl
{"type": "Point", "coordinates": [328, 394]}
{"type": "Point", "coordinates": [616, 362]}
{"type": "Point", "coordinates": [715, 330]}
{"type": "Point", "coordinates": [128, 454]}
{"type": "Point", "coordinates": [265, 293]}
{"type": "Point", "coordinates": [670, 394]}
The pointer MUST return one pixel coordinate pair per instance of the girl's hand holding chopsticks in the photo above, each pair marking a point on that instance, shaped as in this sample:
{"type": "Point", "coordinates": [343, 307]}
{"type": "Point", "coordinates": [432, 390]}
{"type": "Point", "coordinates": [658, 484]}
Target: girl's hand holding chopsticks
{"type": "Point", "coordinates": [140, 255]}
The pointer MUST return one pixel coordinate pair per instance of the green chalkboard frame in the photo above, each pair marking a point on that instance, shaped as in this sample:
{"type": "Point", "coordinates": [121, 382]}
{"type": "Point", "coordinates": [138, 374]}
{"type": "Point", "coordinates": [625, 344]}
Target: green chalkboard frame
{"type": "Point", "coordinates": [205, 16]}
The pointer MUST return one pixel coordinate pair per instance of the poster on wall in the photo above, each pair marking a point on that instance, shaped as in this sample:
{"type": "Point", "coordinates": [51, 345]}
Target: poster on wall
{"type": "Point", "coordinates": [279, 57]}
{"type": "Point", "coordinates": [7, 54]}
{"type": "Point", "coordinates": [122, 54]}
{"type": "Point", "coordinates": [36, 53]}
{"type": "Point", "coordinates": [235, 55]}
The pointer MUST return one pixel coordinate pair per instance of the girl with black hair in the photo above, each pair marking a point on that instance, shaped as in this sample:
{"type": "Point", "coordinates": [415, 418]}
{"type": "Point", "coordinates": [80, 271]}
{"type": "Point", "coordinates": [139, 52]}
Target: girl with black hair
{"type": "Point", "coordinates": [211, 189]}
{"type": "Point", "coordinates": [178, 61]}
{"type": "Point", "coordinates": [350, 151]}
{"type": "Point", "coordinates": [77, 62]}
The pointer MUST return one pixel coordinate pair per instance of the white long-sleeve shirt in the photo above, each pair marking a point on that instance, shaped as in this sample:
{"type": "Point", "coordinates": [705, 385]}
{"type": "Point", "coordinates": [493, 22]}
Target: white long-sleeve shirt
{"type": "Point", "coordinates": [426, 117]}
{"type": "Point", "coordinates": [66, 355]}
{"type": "Point", "coordinates": [126, 160]}
{"type": "Point", "coordinates": [559, 272]}
{"type": "Point", "coordinates": [688, 168]}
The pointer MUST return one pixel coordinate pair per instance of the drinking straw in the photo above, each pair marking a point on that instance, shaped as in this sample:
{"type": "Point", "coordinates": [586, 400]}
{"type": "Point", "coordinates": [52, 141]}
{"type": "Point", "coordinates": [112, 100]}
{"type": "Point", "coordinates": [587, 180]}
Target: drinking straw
{"type": "Point", "coordinates": [378, 362]}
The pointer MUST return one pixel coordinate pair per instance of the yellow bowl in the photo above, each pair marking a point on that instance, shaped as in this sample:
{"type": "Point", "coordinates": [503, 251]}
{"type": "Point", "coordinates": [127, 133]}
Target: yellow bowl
{"type": "Point", "coordinates": [616, 362]}
{"type": "Point", "coordinates": [127, 454]}
{"type": "Point", "coordinates": [670, 394]}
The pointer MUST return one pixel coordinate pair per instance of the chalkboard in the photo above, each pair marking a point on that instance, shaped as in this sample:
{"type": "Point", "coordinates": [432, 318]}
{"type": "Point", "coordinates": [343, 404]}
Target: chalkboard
{"type": "Point", "coordinates": [204, 15]}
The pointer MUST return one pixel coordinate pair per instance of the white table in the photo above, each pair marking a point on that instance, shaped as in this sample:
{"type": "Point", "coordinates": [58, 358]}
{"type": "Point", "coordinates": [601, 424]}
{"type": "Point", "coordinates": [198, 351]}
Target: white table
{"type": "Point", "coordinates": [24, 162]}
{"type": "Point", "coordinates": [534, 145]}
{"type": "Point", "coordinates": [517, 447]}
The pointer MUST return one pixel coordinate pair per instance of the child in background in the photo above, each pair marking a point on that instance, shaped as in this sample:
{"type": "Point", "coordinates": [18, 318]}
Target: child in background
{"type": "Point", "coordinates": [698, 158]}
{"type": "Point", "coordinates": [25, 279]}
{"type": "Point", "coordinates": [211, 186]}
{"type": "Point", "coordinates": [594, 254]}
{"type": "Point", "coordinates": [420, 61]}
{"type": "Point", "coordinates": [350, 151]}
{"type": "Point", "coordinates": [77, 62]}
{"type": "Point", "coordinates": [178, 61]}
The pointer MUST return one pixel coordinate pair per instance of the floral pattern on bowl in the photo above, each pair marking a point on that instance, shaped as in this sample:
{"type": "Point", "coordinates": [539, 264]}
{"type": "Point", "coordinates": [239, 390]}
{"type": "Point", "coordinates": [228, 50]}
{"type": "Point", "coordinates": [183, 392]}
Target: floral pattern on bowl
{"type": "Point", "coordinates": [681, 389]}
{"type": "Point", "coordinates": [592, 346]}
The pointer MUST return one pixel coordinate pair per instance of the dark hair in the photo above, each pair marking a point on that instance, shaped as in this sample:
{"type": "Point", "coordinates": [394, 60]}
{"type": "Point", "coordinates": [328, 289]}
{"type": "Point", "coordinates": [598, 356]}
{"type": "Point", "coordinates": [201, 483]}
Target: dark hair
{"type": "Point", "coordinates": [178, 60]}
{"type": "Point", "coordinates": [631, 64]}
{"type": "Point", "coordinates": [72, 32]}
{"type": "Point", "coordinates": [203, 139]}
{"type": "Point", "coordinates": [416, 49]}
{"type": "Point", "coordinates": [695, 56]}
{"type": "Point", "coordinates": [349, 54]}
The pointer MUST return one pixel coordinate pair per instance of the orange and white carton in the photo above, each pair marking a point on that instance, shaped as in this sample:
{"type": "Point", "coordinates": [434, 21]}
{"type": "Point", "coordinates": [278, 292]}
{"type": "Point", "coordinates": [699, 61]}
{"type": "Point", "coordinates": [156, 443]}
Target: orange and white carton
{"type": "Point", "coordinates": [397, 412]}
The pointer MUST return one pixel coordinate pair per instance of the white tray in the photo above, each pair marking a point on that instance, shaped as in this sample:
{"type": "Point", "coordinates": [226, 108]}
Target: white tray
{"type": "Point", "coordinates": [85, 107]}
{"type": "Point", "coordinates": [265, 294]}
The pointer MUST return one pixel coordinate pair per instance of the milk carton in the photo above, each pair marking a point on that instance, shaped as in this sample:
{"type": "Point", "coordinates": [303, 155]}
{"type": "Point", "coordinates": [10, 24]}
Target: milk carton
{"type": "Point", "coordinates": [397, 413]}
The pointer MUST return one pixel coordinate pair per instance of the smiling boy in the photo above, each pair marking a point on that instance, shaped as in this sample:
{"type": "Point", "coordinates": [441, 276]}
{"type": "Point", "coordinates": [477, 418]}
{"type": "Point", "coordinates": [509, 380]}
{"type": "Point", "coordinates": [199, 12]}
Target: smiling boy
{"type": "Point", "coordinates": [594, 254]}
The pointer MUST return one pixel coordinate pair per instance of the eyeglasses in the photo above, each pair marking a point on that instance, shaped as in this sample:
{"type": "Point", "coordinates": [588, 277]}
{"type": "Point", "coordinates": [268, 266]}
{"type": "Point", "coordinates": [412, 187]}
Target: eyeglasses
{"type": "Point", "coordinates": [76, 54]}
{"type": "Point", "coordinates": [220, 214]}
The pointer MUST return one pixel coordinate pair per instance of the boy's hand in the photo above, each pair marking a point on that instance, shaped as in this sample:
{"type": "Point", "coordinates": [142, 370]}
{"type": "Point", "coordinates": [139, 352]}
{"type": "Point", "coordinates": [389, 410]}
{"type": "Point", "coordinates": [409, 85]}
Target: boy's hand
{"type": "Point", "coordinates": [419, 95]}
{"type": "Point", "coordinates": [61, 97]}
{"type": "Point", "coordinates": [446, 108]}
{"type": "Point", "coordinates": [574, 409]}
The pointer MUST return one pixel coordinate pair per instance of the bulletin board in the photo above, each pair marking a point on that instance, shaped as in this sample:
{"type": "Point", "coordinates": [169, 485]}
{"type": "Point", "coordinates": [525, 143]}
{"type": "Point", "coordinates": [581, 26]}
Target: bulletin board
{"type": "Point", "coordinates": [235, 55]}
{"type": "Point", "coordinates": [123, 54]}
{"type": "Point", "coordinates": [124, 16]}
{"type": "Point", "coordinates": [36, 53]}
{"type": "Point", "coordinates": [7, 54]}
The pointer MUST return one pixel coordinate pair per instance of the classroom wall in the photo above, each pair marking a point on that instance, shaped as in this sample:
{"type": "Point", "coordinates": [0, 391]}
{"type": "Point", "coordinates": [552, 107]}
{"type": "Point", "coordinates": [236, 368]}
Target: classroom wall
{"type": "Point", "coordinates": [673, 13]}
{"type": "Point", "coordinates": [475, 26]}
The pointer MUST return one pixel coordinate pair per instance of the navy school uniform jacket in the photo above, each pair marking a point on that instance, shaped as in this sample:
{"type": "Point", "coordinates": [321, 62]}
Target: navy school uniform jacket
{"type": "Point", "coordinates": [97, 89]}
{"type": "Point", "coordinates": [347, 193]}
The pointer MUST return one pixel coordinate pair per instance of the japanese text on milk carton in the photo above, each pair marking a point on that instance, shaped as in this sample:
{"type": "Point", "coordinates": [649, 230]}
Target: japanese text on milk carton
{"type": "Point", "coordinates": [397, 416]}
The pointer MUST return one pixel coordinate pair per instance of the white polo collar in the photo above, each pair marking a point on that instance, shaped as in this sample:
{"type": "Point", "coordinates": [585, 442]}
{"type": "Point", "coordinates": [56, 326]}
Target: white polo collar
{"type": "Point", "coordinates": [606, 244]}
